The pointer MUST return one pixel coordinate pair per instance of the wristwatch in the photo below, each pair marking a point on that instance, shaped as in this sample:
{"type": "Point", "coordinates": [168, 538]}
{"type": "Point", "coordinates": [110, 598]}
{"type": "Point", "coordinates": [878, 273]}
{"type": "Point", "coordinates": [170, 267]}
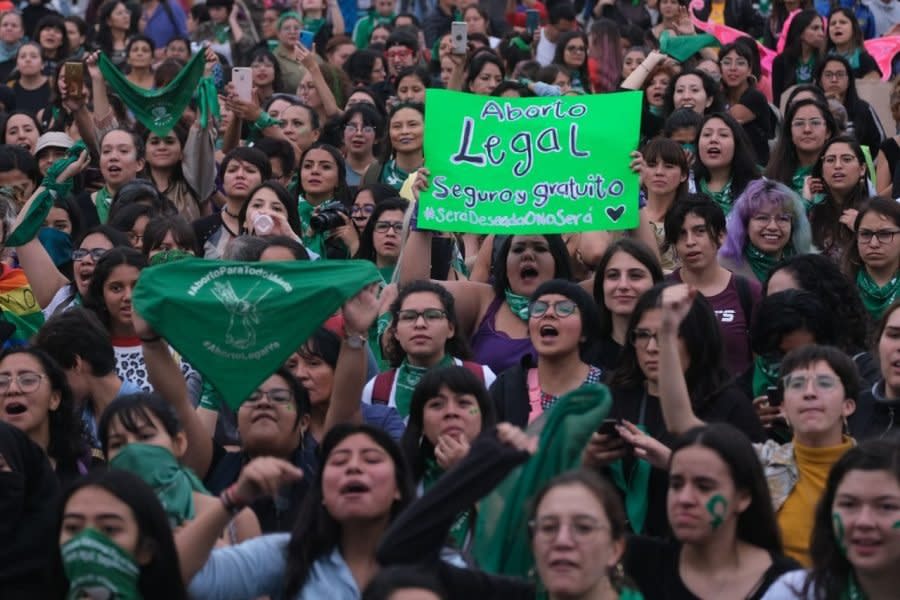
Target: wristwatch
{"type": "Point", "coordinates": [356, 340]}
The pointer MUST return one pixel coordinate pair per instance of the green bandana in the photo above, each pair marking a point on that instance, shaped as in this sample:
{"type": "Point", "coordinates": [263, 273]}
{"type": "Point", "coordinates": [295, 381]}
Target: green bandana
{"type": "Point", "coordinates": [803, 73]}
{"type": "Point", "coordinates": [375, 335]}
{"type": "Point", "coordinates": [387, 273]}
{"type": "Point", "coordinates": [285, 16]}
{"type": "Point", "coordinates": [102, 203]}
{"type": "Point", "coordinates": [167, 256]}
{"type": "Point", "coordinates": [764, 376]}
{"type": "Point", "coordinates": [158, 110]}
{"type": "Point", "coordinates": [314, 241]}
{"type": "Point", "coordinates": [40, 207]}
{"type": "Point", "coordinates": [97, 568]}
{"type": "Point", "coordinates": [408, 377]}
{"type": "Point", "coordinates": [520, 44]}
{"type": "Point", "coordinates": [393, 175]}
{"type": "Point", "coordinates": [518, 304]}
{"type": "Point", "coordinates": [723, 198]}
{"type": "Point", "coordinates": [799, 179]}
{"type": "Point", "coordinates": [852, 57]}
{"type": "Point", "coordinates": [463, 522]}
{"type": "Point", "coordinates": [502, 545]}
{"type": "Point", "coordinates": [238, 322]}
{"type": "Point", "coordinates": [635, 487]}
{"type": "Point", "coordinates": [656, 111]}
{"type": "Point", "coordinates": [759, 261]}
{"type": "Point", "coordinates": [682, 47]}
{"type": "Point", "coordinates": [876, 299]}
{"type": "Point", "coordinates": [222, 33]}
{"type": "Point", "coordinates": [852, 592]}
{"type": "Point", "coordinates": [313, 25]}
{"type": "Point", "coordinates": [173, 483]}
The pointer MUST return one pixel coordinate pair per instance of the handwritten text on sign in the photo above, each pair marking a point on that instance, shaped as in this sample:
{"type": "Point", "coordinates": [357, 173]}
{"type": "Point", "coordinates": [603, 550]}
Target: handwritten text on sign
{"type": "Point", "coordinates": [530, 165]}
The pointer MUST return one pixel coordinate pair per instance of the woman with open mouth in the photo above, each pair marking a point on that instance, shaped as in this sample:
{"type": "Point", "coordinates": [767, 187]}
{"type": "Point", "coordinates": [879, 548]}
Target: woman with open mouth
{"type": "Point", "coordinates": [381, 239]}
{"type": "Point", "coordinates": [818, 387]}
{"type": "Point", "coordinates": [767, 224]}
{"type": "Point", "coordinates": [695, 90]}
{"type": "Point", "coordinates": [840, 175]}
{"type": "Point", "coordinates": [121, 159]}
{"type": "Point", "coordinates": [562, 321]}
{"type": "Point", "coordinates": [873, 261]}
{"type": "Point", "coordinates": [856, 543]}
{"type": "Point", "coordinates": [845, 38]}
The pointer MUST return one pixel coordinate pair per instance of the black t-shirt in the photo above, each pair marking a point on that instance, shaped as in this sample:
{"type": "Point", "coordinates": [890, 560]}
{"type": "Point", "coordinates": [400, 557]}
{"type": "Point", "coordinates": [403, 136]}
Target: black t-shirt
{"type": "Point", "coordinates": [653, 565]}
{"type": "Point", "coordinates": [32, 100]}
{"type": "Point", "coordinates": [760, 128]}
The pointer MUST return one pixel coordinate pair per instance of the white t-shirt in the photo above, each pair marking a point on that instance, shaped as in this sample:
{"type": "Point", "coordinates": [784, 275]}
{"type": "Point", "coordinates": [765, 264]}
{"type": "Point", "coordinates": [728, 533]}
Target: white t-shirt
{"type": "Point", "coordinates": [545, 51]}
{"type": "Point", "coordinates": [789, 587]}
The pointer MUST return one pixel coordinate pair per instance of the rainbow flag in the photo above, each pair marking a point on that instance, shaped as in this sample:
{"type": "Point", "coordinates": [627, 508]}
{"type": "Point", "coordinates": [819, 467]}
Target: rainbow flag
{"type": "Point", "coordinates": [20, 307]}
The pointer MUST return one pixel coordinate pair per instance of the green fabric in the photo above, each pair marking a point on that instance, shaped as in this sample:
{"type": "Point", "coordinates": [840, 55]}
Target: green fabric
{"type": "Point", "coordinates": [160, 109]}
{"type": "Point", "coordinates": [387, 273]}
{"type": "Point", "coordinates": [519, 43]}
{"type": "Point", "coordinates": [264, 121]}
{"type": "Point", "coordinates": [852, 591]}
{"type": "Point", "coordinates": [635, 488]}
{"type": "Point", "coordinates": [723, 198]}
{"type": "Point", "coordinates": [222, 33]}
{"type": "Point", "coordinates": [235, 322]}
{"type": "Point", "coordinates": [102, 203]}
{"type": "Point", "coordinates": [764, 375]}
{"type": "Point", "coordinates": [312, 240]}
{"type": "Point", "coordinates": [799, 179]}
{"type": "Point", "coordinates": [876, 299]}
{"type": "Point", "coordinates": [759, 261]}
{"type": "Point", "coordinates": [682, 47]}
{"type": "Point", "coordinates": [167, 256]}
{"type": "Point", "coordinates": [393, 175]}
{"type": "Point", "coordinates": [376, 331]}
{"type": "Point", "coordinates": [501, 544]}
{"type": "Point", "coordinates": [40, 208]}
{"type": "Point", "coordinates": [803, 72]}
{"type": "Point", "coordinates": [463, 522]}
{"type": "Point", "coordinates": [173, 483]}
{"type": "Point", "coordinates": [313, 24]}
{"type": "Point", "coordinates": [285, 16]}
{"type": "Point", "coordinates": [518, 304]}
{"type": "Point", "coordinates": [408, 377]}
{"type": "Point", "coordinates": [209, 397]}
{"type": "Point", "coordinates": [366, 25]}
{"type": "Point", "coordinates": [26, 324]}
{"type": "Point", "coordinates": [852, 57]}
{"type": "Point", "coordinates": [97, 568]}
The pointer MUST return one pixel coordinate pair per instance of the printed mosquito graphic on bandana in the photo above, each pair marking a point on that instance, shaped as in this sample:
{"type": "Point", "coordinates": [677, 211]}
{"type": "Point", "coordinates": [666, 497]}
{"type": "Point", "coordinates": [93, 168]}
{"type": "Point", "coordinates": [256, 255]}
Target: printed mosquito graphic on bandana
{"type": "Point", "coordinates": [241, 332]}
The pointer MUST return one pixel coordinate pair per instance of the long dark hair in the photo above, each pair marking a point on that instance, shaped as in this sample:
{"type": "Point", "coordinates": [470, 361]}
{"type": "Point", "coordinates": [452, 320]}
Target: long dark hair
{"type": "Point", "coordinates": [317, 532]}
{"type": "Point", "coordinates": [457, 346]}
{"type": "Point", "coordinates": [824, 217]}
{"type": "Point", "coordinates": [744, 167]}
{"type": "Point", "coordinates": [67, 431]}
{"type": "Point", "coordinates": [706, 374]}
{"type": "Point", "coordinates": [562, 268]}
{"type": "Point", "coordinates": [851, 96]}
{"type": "Point", "coordinates": [366, 249]}
{"type": "Point", "coordinates": [559, 58]}
{"type": "Point", "coordinates": [459, 380]}
{"type": "Point", "coordinates": [831, 571]}
{"type": "Point", "coordinates": [784, 160]}
{"type": "Point", "coordinates": [713, 92]}
{"type": "Point", "coordinates": [103, 39]}
{"type": "Point", "coordinates": [793, 45]}
{"type": "Point", "coordinates": [284, 197]}
{"type": "Point", "coordinates": [133, 412]}
{"type": "Point", "coordinates": [387, 152]}
{"type": "Point", "coordinates": [161, 577]}
{"type": "Point", "coordinates": [854, 24]}
{"type": "Point", "coordinates": [639, 252]}
{"type": "Point", "coordinates": [116, 257]}
{"type": "Point", "coordinates": [341, 191]}
{"type": "Point", "coordinates": [756, 525]}
{"type": "Point", "coordinates": [881, 206]}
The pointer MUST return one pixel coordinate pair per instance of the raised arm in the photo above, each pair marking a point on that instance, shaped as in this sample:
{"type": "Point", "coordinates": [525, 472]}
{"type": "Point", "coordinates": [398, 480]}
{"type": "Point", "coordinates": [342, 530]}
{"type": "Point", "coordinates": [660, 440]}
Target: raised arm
{"type": "Point", "coordinates": [199, 164]}
{"type": "Point", "coordinates": [674, 398]}
{"type": "Point", "coordinates": [639, 75]}
{"type": "Point", "coordinates": [310, 62]}
{"type": "Point", "coordinates": [337, 18]}
{"type": "Point", "coordinates": [102, 108]}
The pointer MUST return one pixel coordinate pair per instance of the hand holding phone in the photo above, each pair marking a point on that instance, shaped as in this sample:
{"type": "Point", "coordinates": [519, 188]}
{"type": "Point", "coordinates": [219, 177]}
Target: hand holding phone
{"type": "Point", "coordinates": [459, 37]}
{"type": "Point", "coordinates": [74, 75]}
{"type": "Point", "coordinates": [242, 80]}
{"type": "Point", "coordinates": [608, 428]}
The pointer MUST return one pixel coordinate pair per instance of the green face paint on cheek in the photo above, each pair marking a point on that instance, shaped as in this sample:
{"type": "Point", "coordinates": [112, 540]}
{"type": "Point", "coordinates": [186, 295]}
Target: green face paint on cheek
{"type": "Point", "coordinates": [838, 524]}
{"type": "Point", "coordinates": [896, 525]}
{"type": "Point", "coordinates": [474, 411]}
{"type": "Point", "coordinates": [717, 507]}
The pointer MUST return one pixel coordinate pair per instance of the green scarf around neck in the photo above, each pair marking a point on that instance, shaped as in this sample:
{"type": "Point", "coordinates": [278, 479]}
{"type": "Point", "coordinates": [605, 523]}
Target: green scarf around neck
{"type": "Point", "coordinates": [635, 487]}
{"type": "Point", "coordinates": [102, 202]}
{"type": "Point", "coordinates": [764, 375]}
{"type": "Point", "coordinates": [408, 377]}
{"type": "Point", "coordinates": [723, 198]}
{"type": "Point", "coordinates": [97, 568]}
{"type": "Point", "coordinates": [853, 591]}
{"type": "Point", "coordinates": [759, 261]}
{"type": "Point", "coordinates": [876, 299]}
{"type": "Point", "coordinates": [159, 110]}
{"type": "Point", "coordinates": [463, 522]}
{"type": "Point", "coordinates": [518, 304]}
{"type": "Point", "coordinates": [173, 483]}
{"type": "Point", "coordinates": [799, 179]}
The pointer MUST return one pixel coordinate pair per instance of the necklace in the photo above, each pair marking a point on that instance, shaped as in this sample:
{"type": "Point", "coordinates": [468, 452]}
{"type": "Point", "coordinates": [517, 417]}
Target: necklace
{"type": "Point", "coordinates": [232, 215]}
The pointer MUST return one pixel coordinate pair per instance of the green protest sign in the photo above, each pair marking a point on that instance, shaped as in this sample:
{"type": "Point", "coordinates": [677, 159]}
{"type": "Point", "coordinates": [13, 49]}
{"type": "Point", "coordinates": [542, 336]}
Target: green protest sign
{"type": "Point", "coordinates": [530, 165]}
{"type": "Point", "coordinates": [238, 322]}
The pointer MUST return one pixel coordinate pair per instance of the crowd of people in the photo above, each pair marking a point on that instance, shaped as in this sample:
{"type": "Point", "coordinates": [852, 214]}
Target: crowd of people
{"type": "Point", "coordinates": [705, 406]}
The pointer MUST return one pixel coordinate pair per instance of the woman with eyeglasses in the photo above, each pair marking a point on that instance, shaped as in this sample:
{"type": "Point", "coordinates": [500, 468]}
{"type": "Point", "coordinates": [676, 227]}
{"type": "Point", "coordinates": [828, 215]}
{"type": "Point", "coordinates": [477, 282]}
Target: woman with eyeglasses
{"type": "Point", "coordinates": [873, 259]}
{"type": "Point", "coordinates": [840, 175]}
{"type": "Point", "coordinates": [380, 241]}
{"type": "Point", "coordinates": [818, 386]}
{"type": "Point", "coordinates": [362, 129]}
{"type": "Point", "coordinates": [767, 224]}
{"type": "Point", "coordinates": [571, 55]}
{"type": "Point", "coordinates": [637, 387]}
{"type": "Point", "coordinates": [423, 334]}
{"type": "Point", "coordinates": [366, 199]}
{"type": "Point", "coordinates": [37, 400]}
{"type": "Point", "coordinates": [808, 124]}
{"type": "Point", "coordinates": [835, 77]}
{"type": "Point", "coordinates": [562, 319]}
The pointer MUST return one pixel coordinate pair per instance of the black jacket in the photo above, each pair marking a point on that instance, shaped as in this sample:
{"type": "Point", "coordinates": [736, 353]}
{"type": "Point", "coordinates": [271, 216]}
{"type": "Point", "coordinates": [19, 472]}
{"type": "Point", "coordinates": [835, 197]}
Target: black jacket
{"type": "Point", "coordinates": [739, 14]}
{"type": "Point", "coordinates": [875, 416]}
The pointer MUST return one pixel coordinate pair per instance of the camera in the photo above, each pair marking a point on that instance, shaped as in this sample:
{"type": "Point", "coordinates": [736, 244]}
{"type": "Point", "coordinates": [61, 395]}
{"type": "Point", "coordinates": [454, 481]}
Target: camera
{"type": "Point", "coordinates": [328, 217]}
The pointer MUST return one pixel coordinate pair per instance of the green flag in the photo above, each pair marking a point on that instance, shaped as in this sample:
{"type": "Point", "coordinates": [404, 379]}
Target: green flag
{"type": "Point", "coordinates": [160, 109]}
{"type": "Point", "coordinates": [237, 322]}
{"type": "Point", "coordinates": [501, 543]}
{"type": "Point", "coordinates": [682, 47]}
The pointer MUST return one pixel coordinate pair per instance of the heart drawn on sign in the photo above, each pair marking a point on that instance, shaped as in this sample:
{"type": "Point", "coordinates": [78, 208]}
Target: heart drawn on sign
{"type": "Point", "coordinates": [615, 212]}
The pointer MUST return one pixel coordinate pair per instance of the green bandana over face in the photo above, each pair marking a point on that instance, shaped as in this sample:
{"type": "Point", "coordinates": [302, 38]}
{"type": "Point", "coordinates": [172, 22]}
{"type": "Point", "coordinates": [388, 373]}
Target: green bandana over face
{"type": "Point", "coordinates": [724, 198]}
{"type": "Point", "coordinates": [238, 322]}
{"type": "Point", "coordinates": [158, 110]}
{"type": "Point", "coordinates": [173, 483]}
{"type": "Point", "coordinates": [876, 299]}
{"type": "Point", "coordinates": [759, 261]}
{"type": "Point", "coordinates": [765, 375]}
{"type": "Point", "coordinates": [518, 304]}
{"type": "Point", "coordinates": [97, 568]}
{"type": "Point", "coordinates": [408, 377]}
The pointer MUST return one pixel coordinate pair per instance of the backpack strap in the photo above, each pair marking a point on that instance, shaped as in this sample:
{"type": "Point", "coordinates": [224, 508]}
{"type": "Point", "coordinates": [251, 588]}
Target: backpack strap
{"type": "Point", "coordinates": [381, 388]}
{"type": "Point", "coordinates": [745, 297]}
{"type": "Point", "coordinates": [475, 368]}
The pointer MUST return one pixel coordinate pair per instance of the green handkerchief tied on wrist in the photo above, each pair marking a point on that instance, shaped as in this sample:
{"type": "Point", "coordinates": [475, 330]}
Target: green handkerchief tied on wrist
{"type": "Point", "coordinates": [98, 568]}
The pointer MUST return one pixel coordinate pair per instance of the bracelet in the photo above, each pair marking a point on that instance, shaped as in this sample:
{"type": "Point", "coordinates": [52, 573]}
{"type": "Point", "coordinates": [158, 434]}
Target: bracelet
{"type": "Point", "coordinates": [230, 501]}
{"type": "Point", "coordinates": [151, 340]}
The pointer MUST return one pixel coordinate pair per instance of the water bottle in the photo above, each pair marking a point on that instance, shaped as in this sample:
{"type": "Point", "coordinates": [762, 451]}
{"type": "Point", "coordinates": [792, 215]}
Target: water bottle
{"type": "Point", "coordinates": [263, 224]}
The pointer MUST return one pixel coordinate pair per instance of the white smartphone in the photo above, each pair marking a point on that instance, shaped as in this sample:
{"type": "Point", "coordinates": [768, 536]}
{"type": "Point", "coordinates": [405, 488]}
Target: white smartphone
{"type": "Point", "coordinates": [242, 78]}
{"type": "Point", "coordinates": [459, 37]}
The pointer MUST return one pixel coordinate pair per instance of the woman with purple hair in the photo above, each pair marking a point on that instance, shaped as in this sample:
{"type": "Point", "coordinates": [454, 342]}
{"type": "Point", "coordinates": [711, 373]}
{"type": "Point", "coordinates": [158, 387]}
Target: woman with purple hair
{"type": "Point", "coordinates": [768, 223]}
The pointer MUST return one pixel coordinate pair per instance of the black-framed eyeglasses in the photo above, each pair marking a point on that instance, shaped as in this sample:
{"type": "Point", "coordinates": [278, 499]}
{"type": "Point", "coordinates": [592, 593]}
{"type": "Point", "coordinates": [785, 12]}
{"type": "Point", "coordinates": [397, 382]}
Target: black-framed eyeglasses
{"type": "Point", "coordinates": [383, 226]}
{"type": "Point", "coordinates": [28, 381]}
{"type": "Point", "coordinates": [366, 209]}
{"type": "Point", "coordinates": [96, 253]}
{"type": "Point", "coordinates": [431, 315]}
{"type": "Point", "coordinates": [884, 236]}
{"type": "Point", "coordinates": [642, 337]}
{"type": "Point", "coordinates": [275, 396]}
{"type": "Point", "coordinates": [561, 308]}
